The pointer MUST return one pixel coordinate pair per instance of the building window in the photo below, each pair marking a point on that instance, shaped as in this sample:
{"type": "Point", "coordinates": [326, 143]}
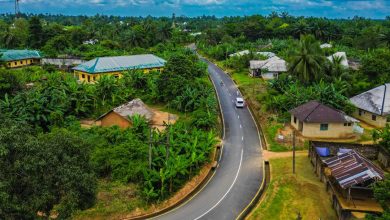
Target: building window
{"type": "Point", "coordinates": [373, 117]}
{"type": "Point", "coordinates": [295, 120]}
{"type": "Point", "coordinates": [82, 76]}
{"type": "Point", "coordinates": [21, 62]}
{"type": "Point", "coordinates": [324, 127]}
{"type": "Point", "coordinates": [345, 124]}
{"type": "Point", "coordinates": [16, 63]}
{"type": "Point", "coordinates": [349, 124]}
{"type": "Point", "coordinates": [360, 112]}
{"type": "Point", "coordinates": [89, 78]}
{"type": "Point", "coordinates": [116, 76]}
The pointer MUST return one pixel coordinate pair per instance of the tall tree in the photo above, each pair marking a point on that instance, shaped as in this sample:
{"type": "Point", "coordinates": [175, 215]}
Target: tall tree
{"type": "Point", "coordinates": [38, 173]}
{"type": "Point", "coordinates": [306, 59]}
{"type": "Point", "coordinates": [35, 33]}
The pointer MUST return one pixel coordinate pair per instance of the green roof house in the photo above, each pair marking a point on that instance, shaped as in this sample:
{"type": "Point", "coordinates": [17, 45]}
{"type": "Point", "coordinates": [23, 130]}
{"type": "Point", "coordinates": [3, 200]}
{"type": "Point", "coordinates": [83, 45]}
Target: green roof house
{"type": "Point", "coordinates": [19, 58]}
{"type": "Point", "coordinates": [91, 71]}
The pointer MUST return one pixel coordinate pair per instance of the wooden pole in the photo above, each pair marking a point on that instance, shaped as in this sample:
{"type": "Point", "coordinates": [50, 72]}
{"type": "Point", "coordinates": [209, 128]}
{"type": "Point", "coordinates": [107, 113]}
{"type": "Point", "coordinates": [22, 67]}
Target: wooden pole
{"type": "Point", "coordinates": [150, 148]}
{"type": "Point", "coordinates": [294, 151]}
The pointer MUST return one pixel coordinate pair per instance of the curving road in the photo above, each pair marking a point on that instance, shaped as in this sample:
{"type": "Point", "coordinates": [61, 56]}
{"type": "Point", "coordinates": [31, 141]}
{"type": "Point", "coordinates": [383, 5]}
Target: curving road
{"type": "Point", "coordinates": [239, 174]}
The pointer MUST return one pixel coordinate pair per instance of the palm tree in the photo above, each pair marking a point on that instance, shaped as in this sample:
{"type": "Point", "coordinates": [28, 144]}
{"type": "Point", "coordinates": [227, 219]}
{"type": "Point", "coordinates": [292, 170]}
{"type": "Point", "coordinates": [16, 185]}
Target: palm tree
{"type": "Point", "coordinates": [300, 28]}
{"type": "Point", "coordinates": [307, 59]}
{"type": "Point", "coordinates": [385, 38]}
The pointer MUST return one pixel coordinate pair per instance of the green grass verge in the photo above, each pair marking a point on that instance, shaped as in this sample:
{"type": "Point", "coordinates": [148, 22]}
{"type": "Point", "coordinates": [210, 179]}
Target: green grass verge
{"type": "Point", "coordinates": [113, 199]}
{"type": "Point", "coordinates": [270, 132]}
{"type": "Point", "coordinates": [289, 194]}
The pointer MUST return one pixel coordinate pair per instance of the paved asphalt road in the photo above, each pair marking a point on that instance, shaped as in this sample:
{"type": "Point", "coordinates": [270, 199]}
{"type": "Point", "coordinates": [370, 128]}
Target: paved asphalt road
{"type": "Point", "coordinates": [239, 174]}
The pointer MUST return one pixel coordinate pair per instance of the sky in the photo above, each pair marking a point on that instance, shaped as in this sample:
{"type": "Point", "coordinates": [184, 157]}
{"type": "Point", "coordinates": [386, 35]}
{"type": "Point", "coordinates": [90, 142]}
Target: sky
{"type": "Point", "coordinates": [319, 8]}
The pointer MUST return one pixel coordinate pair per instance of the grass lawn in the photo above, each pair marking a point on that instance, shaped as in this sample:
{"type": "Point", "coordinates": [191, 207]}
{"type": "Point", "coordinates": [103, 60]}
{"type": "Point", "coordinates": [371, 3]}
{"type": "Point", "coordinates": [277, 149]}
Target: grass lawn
{"type": "Point", "coordinates": [289, 194]}
{"type": "Point", "coordinates": [252, 89]}
{"type": "Point", "coordinates": [113, 200]}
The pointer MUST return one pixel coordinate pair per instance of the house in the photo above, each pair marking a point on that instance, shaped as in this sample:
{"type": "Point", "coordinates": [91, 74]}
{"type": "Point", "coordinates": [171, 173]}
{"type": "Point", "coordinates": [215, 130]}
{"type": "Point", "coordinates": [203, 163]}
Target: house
{"type": "Point", "coordinates": [266, 54]}
{"type": "Point", "coordinates": [343, 56]}
{"type": "Point", "coordinates": [246, 52]}
{"type": "Point", "coordinates": [120, 116]}
{"type": "Point", "coordinates": [316, 120]}
{"type": "Point", "coordinates": [347, 176]}
{"type": "Point", "coordinates": [19, 58]}
{"type": "Point", "coordinates": [240, 53]}
{"type": "Point", "coordinates": [326, 45]}
{"type": "Point", "coordinates": [92, 70]}
{"type": "Point", "coordinates": [268, 69]}
{"type": "Point", "coordinates": [373, 106]}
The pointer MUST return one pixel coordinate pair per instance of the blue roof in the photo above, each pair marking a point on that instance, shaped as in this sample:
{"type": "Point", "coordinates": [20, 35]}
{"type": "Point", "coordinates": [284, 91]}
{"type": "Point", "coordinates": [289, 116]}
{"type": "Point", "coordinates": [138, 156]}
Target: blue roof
{"type": "Point", "coordinates": [121, 63]}
{"type": "Point", "coordinates": [10, 55]}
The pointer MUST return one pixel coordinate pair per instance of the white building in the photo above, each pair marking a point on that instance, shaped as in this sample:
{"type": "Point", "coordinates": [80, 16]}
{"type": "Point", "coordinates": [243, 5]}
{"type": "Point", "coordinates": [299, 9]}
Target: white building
{"type": "Point", "coordinates": [268, 69]}
{"type": "Point", "coordinates": [343, 55]}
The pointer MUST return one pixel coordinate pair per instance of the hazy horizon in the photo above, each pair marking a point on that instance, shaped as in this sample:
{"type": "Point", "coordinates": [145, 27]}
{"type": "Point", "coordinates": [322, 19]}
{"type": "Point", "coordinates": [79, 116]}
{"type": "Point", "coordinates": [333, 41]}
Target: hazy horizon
{"type": "Point", "coordinates": [376, 9]}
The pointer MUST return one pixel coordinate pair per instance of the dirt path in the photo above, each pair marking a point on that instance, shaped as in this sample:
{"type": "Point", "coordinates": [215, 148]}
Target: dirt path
{"type": "Point", "coordinates": [269, 154]}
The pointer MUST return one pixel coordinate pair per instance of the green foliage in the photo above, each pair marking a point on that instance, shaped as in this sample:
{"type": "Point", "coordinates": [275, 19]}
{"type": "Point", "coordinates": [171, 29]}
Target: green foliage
{"type": "Point", "coordinates": [35, 33]}
{"type": "Point", "coordinates": [288, 96]}
{"type": "Point", "coordinates": [306, 61]}
{"type": "Point", "coordinates": [8, 83]}
{"type": "Point", "coordinates": [383, 136]}
{"type": "Point", "coordinates": [51, 171]}
{"type": "Point", "coordinates": [376, 67]}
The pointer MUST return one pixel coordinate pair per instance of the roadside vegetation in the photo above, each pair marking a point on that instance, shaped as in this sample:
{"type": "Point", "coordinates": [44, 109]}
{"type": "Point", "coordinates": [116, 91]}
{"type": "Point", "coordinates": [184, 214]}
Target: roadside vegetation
{"type": "Point", "coordinates": [50, 166]}
{"type": "Point", "coordinates": [310, 75]}
{"type": "Point", "coordinates": [291, 195]}
{"type": "Point", "coordinates": [41, 111]}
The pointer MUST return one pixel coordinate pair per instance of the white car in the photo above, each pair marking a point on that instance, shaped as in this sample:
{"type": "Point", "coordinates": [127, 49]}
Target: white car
{"type": "Point", "coordinates": [240, 103]}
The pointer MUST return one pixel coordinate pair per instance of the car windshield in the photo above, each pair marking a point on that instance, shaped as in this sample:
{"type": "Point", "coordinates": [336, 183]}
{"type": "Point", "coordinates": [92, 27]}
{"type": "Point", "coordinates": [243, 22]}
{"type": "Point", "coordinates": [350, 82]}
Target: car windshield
{"type": "Point", "coordinates": [239, 101]}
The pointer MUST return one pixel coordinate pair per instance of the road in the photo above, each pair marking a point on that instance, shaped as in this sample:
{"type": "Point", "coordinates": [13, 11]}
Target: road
{"type": "Point", "coordinates": [239, 174]}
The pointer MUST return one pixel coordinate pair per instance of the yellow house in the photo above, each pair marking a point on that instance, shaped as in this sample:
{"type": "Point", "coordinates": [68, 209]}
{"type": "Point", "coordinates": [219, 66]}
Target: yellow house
{"type": "Point", "coordinates": [373, 106]}
{"type": "Point", "coordinates": [20, 58]}
{"type": "Point", "coordinates": [316, 120]}
{"type": "Point", "coordinates": [92, 70]}
{"type": "Point", "coordinates": [120, 116]}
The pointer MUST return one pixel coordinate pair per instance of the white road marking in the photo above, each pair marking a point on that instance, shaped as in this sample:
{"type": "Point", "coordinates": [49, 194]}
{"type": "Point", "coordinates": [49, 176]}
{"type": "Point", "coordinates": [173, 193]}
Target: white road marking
{"type": "Point", "coordinates": [240, 126]}
{"type": "Point", "coordinates": [242, 138]}
{"type": "Point", "coordinates": [230, 188]}
{"type": "Point", "coordinates": [238, 116]}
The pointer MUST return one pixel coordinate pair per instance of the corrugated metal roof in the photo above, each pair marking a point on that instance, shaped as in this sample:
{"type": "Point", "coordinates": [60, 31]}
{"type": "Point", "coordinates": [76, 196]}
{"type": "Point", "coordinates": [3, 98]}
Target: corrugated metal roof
{"type": "Point", "coordinates": [326, 45]}
{"type": "Point", "coordinates": [134, 107]}
{"type": "Point", "coordinates": [376, 100]}
{"type": "Point", "coordinates": [11, 55]}
{"type": "Point", "coordinates": [351, 169]}
{"type": "Point", "coordinates": [273, 64]}
{"type": "Point", "coordinates": [316, 112]}
{"type": "Point", "coordinates": [343, 55]}
{"type": "Point", "coordinates": [121, 63]}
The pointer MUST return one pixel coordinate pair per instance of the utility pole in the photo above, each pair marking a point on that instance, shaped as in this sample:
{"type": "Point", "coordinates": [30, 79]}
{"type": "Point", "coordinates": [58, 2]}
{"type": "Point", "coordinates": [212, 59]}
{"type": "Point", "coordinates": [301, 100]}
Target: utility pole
{"type": "Point", "coordinates": [293, 151]}
{"type": "Point", "coordinates": [150, 147]}
{"type": "Point", "coordinates": [168, 141]}
{"type": "Point", "coordinates": [17, 10]}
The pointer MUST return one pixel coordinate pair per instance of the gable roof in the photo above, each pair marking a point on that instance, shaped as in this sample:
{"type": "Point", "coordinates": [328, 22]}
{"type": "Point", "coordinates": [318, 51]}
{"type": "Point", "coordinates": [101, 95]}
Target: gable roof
{"type": "Point", "coordinates": [121, 63]}
{"type": "Point", "coordinates": [351, 169]}
{"type": "Point", "coordinates": [343, 55]}
{"type": "Point", "coordinates": [273, 64]}
{"type": "Point", "coordinates": [11, 55]}
{"type": "Point", "coordinates": [376, 100]}
{"type": "Point", "coordinates": [326, 45]}
{"type": "Point", "coordinates": [134, 107]}
{"type": "Point", "coordinates": [240, 53]}
{"type": "Point", "coordinates": [316, 112]}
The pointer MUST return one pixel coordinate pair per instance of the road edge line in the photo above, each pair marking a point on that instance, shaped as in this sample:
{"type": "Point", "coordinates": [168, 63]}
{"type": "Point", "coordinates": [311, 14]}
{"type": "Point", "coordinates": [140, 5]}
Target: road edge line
{"type": "Point", "coordinates": [203, 184]}
{"type": "Point", "coordinates": [261, 189]}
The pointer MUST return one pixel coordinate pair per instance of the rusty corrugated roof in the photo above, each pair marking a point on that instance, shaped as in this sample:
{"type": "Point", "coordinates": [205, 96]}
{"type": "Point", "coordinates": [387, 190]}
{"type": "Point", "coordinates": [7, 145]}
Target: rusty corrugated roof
{"type": "Point", "coordinates": [351, 169]}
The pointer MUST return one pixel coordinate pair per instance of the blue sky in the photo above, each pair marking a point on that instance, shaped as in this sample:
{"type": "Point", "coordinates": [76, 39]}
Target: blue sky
{"type": "Point", "coordinates": [320, 8]}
